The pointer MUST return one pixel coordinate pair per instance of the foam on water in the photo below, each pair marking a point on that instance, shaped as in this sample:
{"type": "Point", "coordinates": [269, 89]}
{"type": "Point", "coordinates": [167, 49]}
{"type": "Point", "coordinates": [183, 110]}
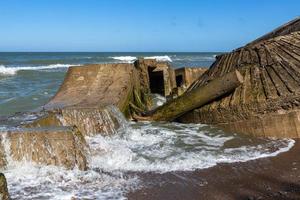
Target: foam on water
{"type": "Point", "coordinates": [29, 181]}
{"type": "Point", "coordinates": [13, 70]}
{"type": "Point", "coordinates": [130, 59]}
{"type": "Point", "coordinates": [127, 59]}
{"type": "Point", "coordinates": [157, 100]}
{"type": "Point", "coordinates": [160, 58]}
{"type": "Point", "coordinates": [137, 147]}
{"type": "Point", "coordinates": [176, 147]}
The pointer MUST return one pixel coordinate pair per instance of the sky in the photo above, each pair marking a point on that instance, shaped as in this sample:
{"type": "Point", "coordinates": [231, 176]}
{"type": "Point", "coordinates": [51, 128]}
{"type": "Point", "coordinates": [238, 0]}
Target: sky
{"type": "Point", "coordinates": [138, 25]}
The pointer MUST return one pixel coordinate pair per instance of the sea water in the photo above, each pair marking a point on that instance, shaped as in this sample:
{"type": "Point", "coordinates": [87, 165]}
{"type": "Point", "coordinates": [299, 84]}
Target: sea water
{"type": "Point", "coordinates": [117, 162]}
{"type": "Point", "coordinates": [28, 80]}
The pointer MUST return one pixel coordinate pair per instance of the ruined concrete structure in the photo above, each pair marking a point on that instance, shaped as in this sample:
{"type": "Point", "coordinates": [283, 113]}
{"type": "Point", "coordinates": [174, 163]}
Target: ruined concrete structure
{"type": "Point", "coordinates": [265, 103]}
{"type": "Point", "coordinates": [60, 146]}
{"type": "Point", "coordinates": [156, 77]}
{"type": "Point", "coordinates": [268, 102]}
{"type": "Point", "coordinates": [87, 100]}
{"type": "Point", "coordinates": [185, 76]}
{"type": "Point", "coordinates": [195, 98]}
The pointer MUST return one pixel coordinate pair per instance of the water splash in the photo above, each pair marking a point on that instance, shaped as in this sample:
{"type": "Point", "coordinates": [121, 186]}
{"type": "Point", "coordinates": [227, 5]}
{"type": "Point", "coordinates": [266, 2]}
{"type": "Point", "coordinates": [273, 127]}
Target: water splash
{"type": "Point", "coordinates": [164, 147]}
{"type": "Point", "coordinates": [136, 147]}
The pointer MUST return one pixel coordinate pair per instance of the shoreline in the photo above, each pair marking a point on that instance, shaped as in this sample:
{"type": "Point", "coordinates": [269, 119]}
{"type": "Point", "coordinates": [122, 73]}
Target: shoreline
{"type": "Point", "coordinates": [265, 178]}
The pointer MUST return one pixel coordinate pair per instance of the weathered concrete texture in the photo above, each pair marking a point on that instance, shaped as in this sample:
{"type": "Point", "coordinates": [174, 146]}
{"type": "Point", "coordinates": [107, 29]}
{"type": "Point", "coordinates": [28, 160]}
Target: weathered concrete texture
{"type": "Point", "coordinates": [46, 119]}
{"type": "Point", "coordinates": [3, 188]}
{"type": "Point", "coordinates": [88, 90]}
{"type": "Point", "coordinates": [92, 121]}
{"type": "Point", "coordinates": [185, 76]}
{"type": "Point", "coordinates": [271, 70]}
{"type": "Point", "coordinates": [60, 146]}
{"type": "Point", "coordinates": [156, 77]}
{"type": "Point", "coordinates": [2, 156]}
{"type": "Point", "coordinates": [89, 121]}
{"type": "Point", "coordinates": [95, 86]}
{"type": "Point", "coordinates": [87, 95]}
{"type": "Point", "coordinates": [285, 125]}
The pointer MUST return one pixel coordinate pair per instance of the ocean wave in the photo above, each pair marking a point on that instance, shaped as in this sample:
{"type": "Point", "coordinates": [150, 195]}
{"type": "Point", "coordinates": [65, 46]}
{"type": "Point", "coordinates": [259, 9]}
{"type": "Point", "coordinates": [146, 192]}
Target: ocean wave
{"type": "Point", "coordinates": [13, 70]}
{"type": "Point", "coordinates": [160, 58]}
{"type": "Point", "coordinates": [130, 59]}
{"type": "Point", "coordinates": [127, 59]}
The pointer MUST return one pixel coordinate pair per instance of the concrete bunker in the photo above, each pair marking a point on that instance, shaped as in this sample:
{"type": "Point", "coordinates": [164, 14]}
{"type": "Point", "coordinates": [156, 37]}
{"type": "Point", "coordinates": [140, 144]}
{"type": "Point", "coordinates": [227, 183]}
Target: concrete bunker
{"type": "Point", "coordinates": [179, 80]}
{"type": "Point", "coordinates": [156, 79]}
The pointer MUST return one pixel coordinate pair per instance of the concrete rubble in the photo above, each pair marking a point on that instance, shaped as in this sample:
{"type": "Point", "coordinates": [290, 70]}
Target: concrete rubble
{"type": "Point", "coordinates": [267, 103]}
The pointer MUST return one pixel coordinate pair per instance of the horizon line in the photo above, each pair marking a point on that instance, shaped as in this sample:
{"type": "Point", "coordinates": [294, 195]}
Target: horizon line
{"type": "Point", "coordinates": [113, 51]}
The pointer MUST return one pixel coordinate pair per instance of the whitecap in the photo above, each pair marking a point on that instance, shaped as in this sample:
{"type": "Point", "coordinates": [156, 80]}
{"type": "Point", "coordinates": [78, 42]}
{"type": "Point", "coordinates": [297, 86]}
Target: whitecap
{"type": "Point", "coordinates": [13, 70]}
{"type": "Point", "coordinates": [160, 58]}
{"type": "Point", "coordinates": [130, 59]}
{"type": "Point", "coordinates": [127, 59]}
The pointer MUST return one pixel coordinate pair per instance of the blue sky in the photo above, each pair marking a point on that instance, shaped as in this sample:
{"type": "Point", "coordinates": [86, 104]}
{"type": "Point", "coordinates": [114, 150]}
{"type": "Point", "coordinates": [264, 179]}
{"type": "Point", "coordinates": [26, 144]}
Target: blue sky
{"type": "Point", "coordinates": [138, 25]}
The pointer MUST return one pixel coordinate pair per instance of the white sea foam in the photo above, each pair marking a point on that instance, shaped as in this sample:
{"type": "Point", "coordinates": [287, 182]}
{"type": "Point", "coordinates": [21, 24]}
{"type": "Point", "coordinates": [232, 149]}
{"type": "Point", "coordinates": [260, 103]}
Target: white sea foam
{"type": "Point", "coordinates": [28, 181]}
{"type": "Point", "coordinates": [130, 59]}
{"type": "Point", "coordinates": [127, 59]}
{"type": "Point", "coordinates": [137, 147]}
{"type": "Point", "coordinates": [160, 58]}
{"type": "Point", "coordinates": [158, 100]}
{"type": "Point", "coordinates": [13, 70]}
{"type": "Point", "coordinates": [174, 147]}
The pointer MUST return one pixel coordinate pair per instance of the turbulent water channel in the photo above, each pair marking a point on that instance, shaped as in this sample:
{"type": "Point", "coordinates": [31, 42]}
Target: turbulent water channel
{"type": "Point", "coordinates": [117, 162]}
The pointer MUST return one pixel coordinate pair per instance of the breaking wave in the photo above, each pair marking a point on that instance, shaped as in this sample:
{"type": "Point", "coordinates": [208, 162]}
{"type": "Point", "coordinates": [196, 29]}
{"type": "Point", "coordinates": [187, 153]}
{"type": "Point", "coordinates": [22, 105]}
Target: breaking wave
{"type": "Point", "coordinates": [130, 59]}
{"type": "Point", "coordinates": [168, 147]}
{"type": "Point", "coordinates": [127, 59]}
{"type": "Point", "coordinates": [160, 58]}
{"type": "Point", "coordinates": [137, 147]}
{"type": "Point", "coordinates": [13, 70]}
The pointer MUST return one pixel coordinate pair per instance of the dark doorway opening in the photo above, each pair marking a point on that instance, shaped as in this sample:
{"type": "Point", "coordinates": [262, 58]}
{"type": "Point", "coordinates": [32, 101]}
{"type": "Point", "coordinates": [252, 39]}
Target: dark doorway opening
{"type": "Point", "coordinates": [179, 80]}
{"type": "Point", "coordinates": [156, 81]}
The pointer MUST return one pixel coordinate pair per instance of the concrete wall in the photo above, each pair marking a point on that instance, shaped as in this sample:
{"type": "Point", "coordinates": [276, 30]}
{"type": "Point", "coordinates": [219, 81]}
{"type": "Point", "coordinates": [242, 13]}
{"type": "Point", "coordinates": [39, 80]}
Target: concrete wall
{"type": "Point", "coordinates": [272, 125]}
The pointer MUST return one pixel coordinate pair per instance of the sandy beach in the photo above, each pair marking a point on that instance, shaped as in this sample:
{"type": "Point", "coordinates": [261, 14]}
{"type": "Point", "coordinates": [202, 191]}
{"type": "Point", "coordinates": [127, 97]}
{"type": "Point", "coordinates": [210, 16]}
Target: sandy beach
{"type": "Point", "coordinates": [267, 178]}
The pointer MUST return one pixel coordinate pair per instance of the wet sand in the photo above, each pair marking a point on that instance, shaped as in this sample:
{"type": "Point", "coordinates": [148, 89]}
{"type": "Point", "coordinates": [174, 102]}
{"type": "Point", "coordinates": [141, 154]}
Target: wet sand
{"type": "Point", "coordinates": [270, 178]}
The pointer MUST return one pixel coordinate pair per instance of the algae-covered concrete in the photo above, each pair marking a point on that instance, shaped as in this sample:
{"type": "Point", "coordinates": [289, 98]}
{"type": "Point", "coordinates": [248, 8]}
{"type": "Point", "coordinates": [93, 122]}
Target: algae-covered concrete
{"type": "Point", "coordinates": [3, 188]}
{"type": "Point", "coordinates": [196, 98]}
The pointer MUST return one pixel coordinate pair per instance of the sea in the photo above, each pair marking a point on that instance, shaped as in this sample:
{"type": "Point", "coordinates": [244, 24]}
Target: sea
{"type": "Point", "coordinates": [29, 80]}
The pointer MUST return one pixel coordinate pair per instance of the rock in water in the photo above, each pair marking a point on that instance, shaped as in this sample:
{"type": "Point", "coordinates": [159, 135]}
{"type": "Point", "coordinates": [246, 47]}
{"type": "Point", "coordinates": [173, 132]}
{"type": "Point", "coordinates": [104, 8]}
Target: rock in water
{"type": "Point", "coordinates": [268, 102]}
{"type": "Point", "coordinates": [3, 188]}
